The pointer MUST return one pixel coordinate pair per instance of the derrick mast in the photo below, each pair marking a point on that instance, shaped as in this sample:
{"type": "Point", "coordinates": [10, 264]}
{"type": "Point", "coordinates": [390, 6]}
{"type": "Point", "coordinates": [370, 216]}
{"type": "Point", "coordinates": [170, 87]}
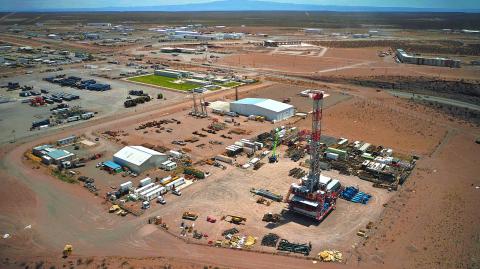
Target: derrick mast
{"type": "Point", "coordinates": [314, 174]}
{"type": "Point", "coordinates": [307, 197]}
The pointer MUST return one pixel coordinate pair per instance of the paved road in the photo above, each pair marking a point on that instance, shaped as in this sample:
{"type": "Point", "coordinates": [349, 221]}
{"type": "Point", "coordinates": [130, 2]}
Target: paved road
{"type": "Point", "coordinates": [436, 99]}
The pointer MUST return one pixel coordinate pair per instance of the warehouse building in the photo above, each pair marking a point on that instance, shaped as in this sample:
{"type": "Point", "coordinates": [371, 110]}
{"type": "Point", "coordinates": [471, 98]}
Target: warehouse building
{"type": "Point", "coordinates": [139, 159]}
{"type": "Point", "coordinates": [270, 109]}
{"type": "Point", "coordinates": [404, 57]}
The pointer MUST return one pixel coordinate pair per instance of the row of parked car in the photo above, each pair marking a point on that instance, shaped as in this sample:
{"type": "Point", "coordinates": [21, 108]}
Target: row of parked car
{"type": "Point", "coordinates": [52, 98]}
{"type": "Point", "coordinates": [77, 82]}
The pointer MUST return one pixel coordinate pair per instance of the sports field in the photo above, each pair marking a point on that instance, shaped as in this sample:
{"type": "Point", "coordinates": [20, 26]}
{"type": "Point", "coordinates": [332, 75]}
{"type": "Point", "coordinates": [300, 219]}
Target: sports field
{"type": "Point", "coordinates": [165, 82]}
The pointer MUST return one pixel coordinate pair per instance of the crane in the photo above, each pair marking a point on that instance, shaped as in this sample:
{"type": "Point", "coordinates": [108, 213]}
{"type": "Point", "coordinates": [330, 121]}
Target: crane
{"type": "Point", "coordinates": [274, 157]}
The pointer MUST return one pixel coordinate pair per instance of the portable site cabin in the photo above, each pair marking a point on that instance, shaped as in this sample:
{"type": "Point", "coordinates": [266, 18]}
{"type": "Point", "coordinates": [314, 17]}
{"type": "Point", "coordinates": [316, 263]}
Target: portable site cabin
{"type": "Point", "coordinates": [165, 180]}
{"type": "Point", "coordinates": [334, 185]}
{"type": "Point", "coordinates": [153, 193]}
{"type": "Point", "coordinates": [174, 154]}
{"type": "Point", "coordinates": [67, 140]}
{"type": "Point", "coordinates": [168, 165]}
{"type": "Point", "coordinates": [146, 191]}
{"type": "Point", "coordinates": [125, 186]}
{"type": "Point", "coordinates": [143, 188]}
{"type": "Point", "coordinates": [174, 184]}
{"type": "Point", "coordinates": [145, 181]}
{"type": "Point", "coordinates": [324, 180]}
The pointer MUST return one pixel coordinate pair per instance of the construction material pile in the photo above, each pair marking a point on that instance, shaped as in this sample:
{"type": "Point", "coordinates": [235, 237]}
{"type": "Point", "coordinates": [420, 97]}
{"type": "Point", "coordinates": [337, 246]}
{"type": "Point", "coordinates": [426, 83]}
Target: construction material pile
{"type": "Point", "coordinates": [194, 172]}
{"type": "Point", "coordinates": [230, 231]}
{"type": "Point", "coordinates": [295, 153]}
{"type": "Point", "coordinates": [353, 194]}
{"type": "Point", "coordinates": [267, 194]}
{"type": "Point", "coordinates": [217, 126]}
{"type": "Point", "coordinates": [156, 124]}
{"type": "Point", "coordinates": [304, 249]}
{"type": "Point", "coordinates": [270, 240]}
{"type": "Point", "coordinates": [330, 256]}
{"type": "Point", "coordinates": [239, 131]}
{"type": "Point", "coordinates": [297, 172]}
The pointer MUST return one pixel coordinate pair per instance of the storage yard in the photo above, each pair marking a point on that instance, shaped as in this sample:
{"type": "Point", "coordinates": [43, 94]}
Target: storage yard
{"type": "Point", "coordinates": [174, 145]}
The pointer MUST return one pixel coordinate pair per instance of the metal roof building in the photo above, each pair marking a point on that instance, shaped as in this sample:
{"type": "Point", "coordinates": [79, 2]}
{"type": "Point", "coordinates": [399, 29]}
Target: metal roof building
{"type": "Point", "coordinates": [60, 155]}
{"type": "Point", "coordinates": [138, 158]}
{"type": "Point", "coordinates": [270, 109]}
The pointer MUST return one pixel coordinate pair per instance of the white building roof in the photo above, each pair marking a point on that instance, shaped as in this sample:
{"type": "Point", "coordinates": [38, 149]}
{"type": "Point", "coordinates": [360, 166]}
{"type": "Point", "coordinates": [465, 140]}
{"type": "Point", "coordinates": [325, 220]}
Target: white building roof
{"type": "Point", "coordinates": [136, 155]}
{"type": "Point", "coordinates": [268, 104]}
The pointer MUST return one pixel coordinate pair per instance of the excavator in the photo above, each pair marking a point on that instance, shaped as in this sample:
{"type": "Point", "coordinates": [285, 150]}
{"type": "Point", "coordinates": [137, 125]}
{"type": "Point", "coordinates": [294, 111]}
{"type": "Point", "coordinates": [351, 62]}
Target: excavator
{"type": "Point", "coordinates": [234, 219]}
{"type": "Point", "coordinates": [67, 250]}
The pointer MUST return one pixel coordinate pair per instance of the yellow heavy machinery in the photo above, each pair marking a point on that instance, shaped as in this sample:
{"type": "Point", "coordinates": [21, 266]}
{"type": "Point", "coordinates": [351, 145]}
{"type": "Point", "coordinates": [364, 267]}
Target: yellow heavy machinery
{"type": "Point", "coordinates": [114, 208]}
{"type": "Point", "coordinates": [189, 215]}
{"type": "Point", "coordinates": [234, 219]}
{"type": "Point", "coordinates": [67, 250]}
{"type": "Point", "coordinates": [270, 217]}
{"type": "Point", "coordinates": [264, 201]}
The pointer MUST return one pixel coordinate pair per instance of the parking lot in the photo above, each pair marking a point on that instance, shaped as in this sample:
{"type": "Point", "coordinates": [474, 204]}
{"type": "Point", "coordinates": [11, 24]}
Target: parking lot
{"type": "Point", "coordinates": [20, 116]}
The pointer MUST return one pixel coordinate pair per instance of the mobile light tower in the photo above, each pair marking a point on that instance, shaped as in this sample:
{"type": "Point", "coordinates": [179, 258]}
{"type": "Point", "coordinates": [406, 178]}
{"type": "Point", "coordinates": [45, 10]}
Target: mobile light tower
{"type": "Point", "coordinates": [307, 196]}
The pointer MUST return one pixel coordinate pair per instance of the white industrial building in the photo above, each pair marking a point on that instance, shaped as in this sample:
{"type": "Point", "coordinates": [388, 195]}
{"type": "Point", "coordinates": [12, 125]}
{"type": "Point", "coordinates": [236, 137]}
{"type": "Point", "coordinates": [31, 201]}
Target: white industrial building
{"type": "Point", "coordinates": [138, 158]}
{"type": "Point", "coordinates": [270, 109]}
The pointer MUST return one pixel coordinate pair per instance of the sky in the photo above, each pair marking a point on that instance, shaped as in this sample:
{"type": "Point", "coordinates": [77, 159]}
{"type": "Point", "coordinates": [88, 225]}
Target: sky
{"type": "Point", "coordinates": [45, 4]}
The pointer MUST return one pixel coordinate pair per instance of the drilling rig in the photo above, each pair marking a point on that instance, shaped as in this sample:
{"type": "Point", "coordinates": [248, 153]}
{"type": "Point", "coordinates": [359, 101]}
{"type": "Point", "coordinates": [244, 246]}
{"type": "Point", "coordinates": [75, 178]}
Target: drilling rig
{"type": "Point", "coordinates": [308, 198]}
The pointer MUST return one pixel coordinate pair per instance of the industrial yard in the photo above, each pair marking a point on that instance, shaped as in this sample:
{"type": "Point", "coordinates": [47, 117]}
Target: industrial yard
{"type": "Point", "coordinates": [133, 144]}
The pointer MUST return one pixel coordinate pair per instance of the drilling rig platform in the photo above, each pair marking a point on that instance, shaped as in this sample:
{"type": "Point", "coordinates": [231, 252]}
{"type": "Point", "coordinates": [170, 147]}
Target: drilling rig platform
{"type": "Point", "coordinates": [309, 197]}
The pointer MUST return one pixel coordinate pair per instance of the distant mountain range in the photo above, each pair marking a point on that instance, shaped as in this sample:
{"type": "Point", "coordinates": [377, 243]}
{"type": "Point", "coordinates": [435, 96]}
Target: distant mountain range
{"type": "Point", "coordinates": [247, 5]}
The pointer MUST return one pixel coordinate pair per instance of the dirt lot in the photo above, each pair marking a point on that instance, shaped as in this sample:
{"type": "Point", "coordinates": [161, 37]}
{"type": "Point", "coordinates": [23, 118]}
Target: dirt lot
{"type": "Point", "coordinates": [289, 63]}
{"type": "Point", "coordinates": [377, 123]}
{"type": "Point", "coordinates": [280, 91]}
{"type": "Point", "coordinates": [228, 192]}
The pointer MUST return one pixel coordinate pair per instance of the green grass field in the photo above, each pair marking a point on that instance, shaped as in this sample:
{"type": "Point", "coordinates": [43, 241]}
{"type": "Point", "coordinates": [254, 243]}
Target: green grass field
{"type": "Point", "coordinates": [229, 84]}
{"type": "Point", "coordinates": [164, 82]}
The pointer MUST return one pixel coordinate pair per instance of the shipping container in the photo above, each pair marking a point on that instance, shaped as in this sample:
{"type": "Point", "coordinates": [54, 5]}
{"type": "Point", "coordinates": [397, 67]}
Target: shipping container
{"type": "Point", "coordinates": [224, 159]}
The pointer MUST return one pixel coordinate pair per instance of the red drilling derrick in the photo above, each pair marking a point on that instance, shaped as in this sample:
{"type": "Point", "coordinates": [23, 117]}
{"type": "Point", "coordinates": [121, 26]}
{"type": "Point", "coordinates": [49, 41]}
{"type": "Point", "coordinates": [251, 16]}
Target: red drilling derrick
{"type": "Point", "coordinates": [308, 197]}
